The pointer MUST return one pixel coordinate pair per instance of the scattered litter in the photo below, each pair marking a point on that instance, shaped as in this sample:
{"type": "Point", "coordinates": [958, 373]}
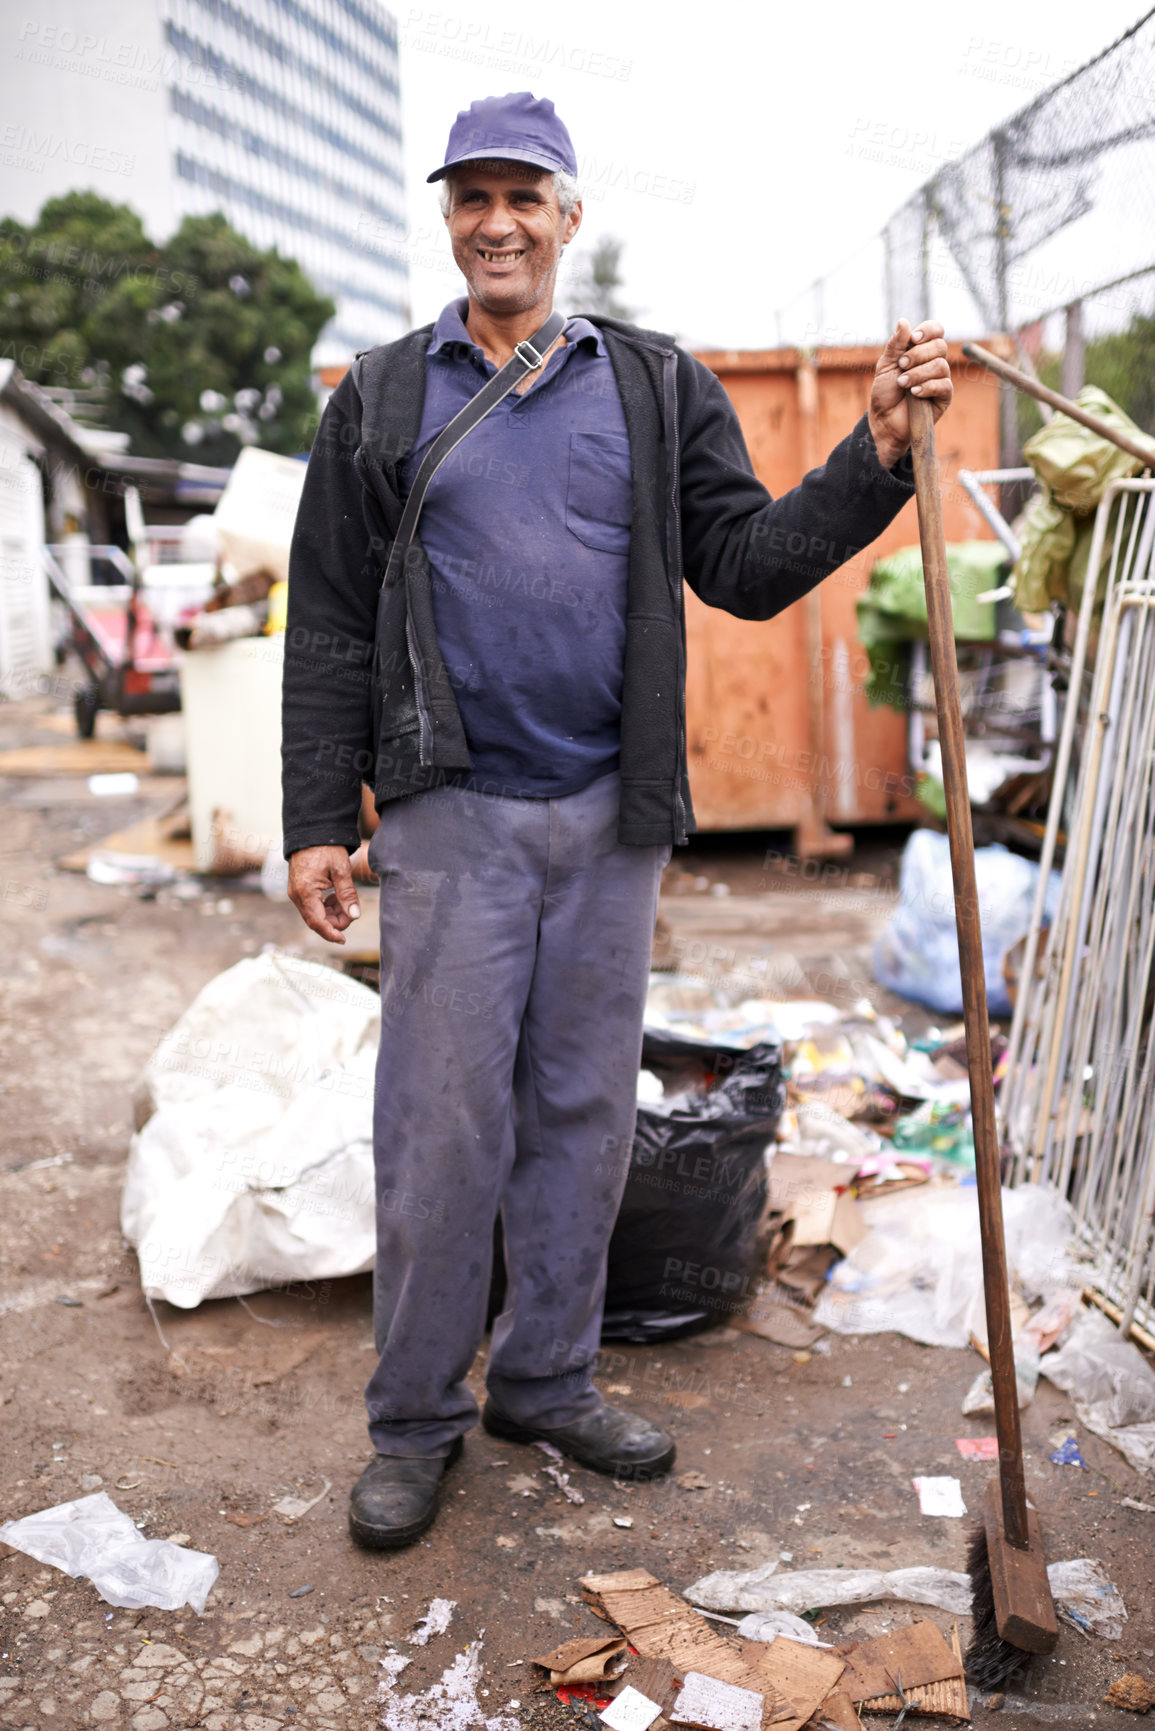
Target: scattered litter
{"type": "Point", "coordinates": [435, 1621]}
{"type": "Point", "coordinates": [93, 1537]}
{"type": "Point", "coordinates": [522, 1485]}
{"type": "Point", "coordinates": [71, 1303]}
{"type": "Point", "coordinates": [1131, 1692]}
{"type": "Point", "coordinates": [1086, 1597]}
{"type": "Point", "coordinates": [584, 1661]}
{"type": "Point", "coordinates": [179, 1539]}
{"type": "Point", "coordinates": [918, 1271]}
{"type": "Point", "coordinates": [1112, 1384]}
{"type": "Point", "coordinates": [1134, 1503]}
{"type": "Point", "coordinates": [630, 1711]}
{"type": "Point", "coordinates": [1066, 1453]}
{"type": "Point", "coordinates": [107, 866]}
{"type": "Point", "coordinates": [623, 1521]}
{"type": "Point", "coordinates": [293, 1509]}
{"type": "Point", "coordinates": [117, 785]}
{"type": "Point", "coordinates": [693, 1481]}
{"type": "Point", "coordinates": [940, 1496]}
{"type": "Point", "coordinates": [808, 1589]}
{"type": "Point", "coordinates": [239, 1518]}
{"type": "Point", "coordinates": [707, 1702]}
{"type": "Point", "coordinates": [978, 1448]}
{"type": "Point", "coordinates": [554, 1472]}
{"type": "Point", "coordinates": [980, 1396]}
{"type": "Point", "coordinates": [768, 1625]}
{"type": "Point", "coordinates": [300, 1592]}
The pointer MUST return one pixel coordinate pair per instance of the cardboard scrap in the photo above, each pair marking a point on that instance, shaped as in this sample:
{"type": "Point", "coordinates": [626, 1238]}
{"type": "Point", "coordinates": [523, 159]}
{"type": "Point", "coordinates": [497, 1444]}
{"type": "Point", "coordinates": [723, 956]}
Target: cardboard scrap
{"type": "Point", "coordinates": [714, 1706]}
{"type": "Point", "coordinates": [918, 1654]}
{"type": "Point", "coordinates": [630, 1711]}
{"type": "Point", "coordinates": [774, 1314]}
{"type": "Point", "coordinates": [656, 1678]}
{"type": "Point", "coordinates": [584, 1661]}
{"type": "Point", "coordinates": [946, 1700]}
{"type": "Point", "coordinates": [806, 1676]}
{"type": "Point", "coordinates": [660, 1625]}
{"type": "Point", "coordinates": [837, 1713]}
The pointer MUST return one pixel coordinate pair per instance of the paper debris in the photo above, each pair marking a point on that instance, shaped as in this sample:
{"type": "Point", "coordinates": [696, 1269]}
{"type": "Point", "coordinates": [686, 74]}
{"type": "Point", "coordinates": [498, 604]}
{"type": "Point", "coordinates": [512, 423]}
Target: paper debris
{"type": "Point", "coordinates": [554, 1472]}
{"type": "Point", "coordinates": [978, 1448]}
{"type": "Point", "coordinates": [630, 1711]}
{"type": "Point", "coordinates": [707, 1702]}
{"type": "Point", "coordinates": [451, 1704]}
{"type": "Point", "coordinates": [940, 1496]}
{"type": "Point", "coordinates": [293, 1508]}
{"type": "Point", "coordinates": [435, 1621]}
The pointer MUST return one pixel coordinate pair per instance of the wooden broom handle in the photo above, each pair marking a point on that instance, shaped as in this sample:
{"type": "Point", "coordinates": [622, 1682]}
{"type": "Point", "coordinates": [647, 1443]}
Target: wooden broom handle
{"type": "Point", "coordinates": [970, 948]}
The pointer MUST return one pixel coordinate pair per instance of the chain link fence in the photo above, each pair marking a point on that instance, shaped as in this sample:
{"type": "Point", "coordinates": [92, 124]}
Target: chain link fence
{"type": "Point", "coordinates": [1045, 229]}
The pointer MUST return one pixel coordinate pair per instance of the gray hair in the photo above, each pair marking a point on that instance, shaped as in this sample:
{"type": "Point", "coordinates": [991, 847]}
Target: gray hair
{"type": "Point", "coordinates": [565, 185]}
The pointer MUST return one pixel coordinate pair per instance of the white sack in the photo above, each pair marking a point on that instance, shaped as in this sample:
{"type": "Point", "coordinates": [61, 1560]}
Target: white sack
{"type": "Point", "coordinates": [252, 1164]}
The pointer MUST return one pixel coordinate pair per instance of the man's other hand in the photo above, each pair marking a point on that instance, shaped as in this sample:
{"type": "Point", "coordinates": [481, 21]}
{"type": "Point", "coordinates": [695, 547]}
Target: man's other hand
{"type": "Point", "coordinates": [912, 361]}
{"type": "Point", "coordinates": [321, 889]}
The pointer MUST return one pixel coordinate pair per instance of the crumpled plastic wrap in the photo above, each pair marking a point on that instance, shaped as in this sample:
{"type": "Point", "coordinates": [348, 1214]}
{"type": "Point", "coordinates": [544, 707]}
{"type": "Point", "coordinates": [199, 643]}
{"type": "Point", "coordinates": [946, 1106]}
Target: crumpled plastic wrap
{"type": "Point", "coordinates": [1112, 1385]}
{"type": "Point", "coordinates": [92, 1537]}
{"type": "Point", "coordinates": [919, 1268]}
{"type": "Point", "coordinates": [763, 1589]}
{"type": "Point", "coordinates": [1086, 1598]}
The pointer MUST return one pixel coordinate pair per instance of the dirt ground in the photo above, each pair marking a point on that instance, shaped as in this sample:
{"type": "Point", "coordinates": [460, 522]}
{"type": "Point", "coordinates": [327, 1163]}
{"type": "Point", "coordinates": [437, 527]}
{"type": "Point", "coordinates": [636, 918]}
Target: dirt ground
{"type": "Point", "coordinates": [243, 1404]}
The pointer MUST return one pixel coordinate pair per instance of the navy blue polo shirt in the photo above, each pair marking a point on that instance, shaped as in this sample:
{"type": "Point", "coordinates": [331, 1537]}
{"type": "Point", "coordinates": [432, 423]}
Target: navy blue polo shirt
{"type": "Point", "coordinates": [527, 528]}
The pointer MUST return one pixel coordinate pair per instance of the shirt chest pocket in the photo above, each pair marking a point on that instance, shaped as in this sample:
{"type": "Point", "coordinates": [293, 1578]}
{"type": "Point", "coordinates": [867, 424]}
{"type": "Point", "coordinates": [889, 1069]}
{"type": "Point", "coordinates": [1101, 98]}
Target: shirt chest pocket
{"type": "Point", "coordinates": [599, 495]}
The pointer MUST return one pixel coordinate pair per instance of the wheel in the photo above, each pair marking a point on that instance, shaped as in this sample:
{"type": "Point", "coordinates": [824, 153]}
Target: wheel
{"type": "Point", "coordinates": [86, 704]}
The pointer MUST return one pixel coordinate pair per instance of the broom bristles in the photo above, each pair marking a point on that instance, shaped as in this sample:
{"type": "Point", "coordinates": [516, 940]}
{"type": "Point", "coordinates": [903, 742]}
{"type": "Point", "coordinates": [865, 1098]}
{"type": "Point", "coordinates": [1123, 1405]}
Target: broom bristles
{"type": "Point", "coordinates": [989, 1660]}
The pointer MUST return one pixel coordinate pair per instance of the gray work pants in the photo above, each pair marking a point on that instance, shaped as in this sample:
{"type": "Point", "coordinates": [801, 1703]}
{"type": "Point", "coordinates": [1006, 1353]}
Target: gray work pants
{"type": "Point", "coordinates": [515, 952]}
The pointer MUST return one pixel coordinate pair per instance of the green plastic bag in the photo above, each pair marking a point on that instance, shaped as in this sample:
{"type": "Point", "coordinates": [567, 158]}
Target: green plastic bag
{"type": "Point", "coordinates": [1075, 464]}
{"type": "Point", "coordinates": [892, 613]}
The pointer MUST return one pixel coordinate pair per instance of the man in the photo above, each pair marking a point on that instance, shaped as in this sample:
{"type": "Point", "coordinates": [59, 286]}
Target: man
{"type": "Point", "coordinates": [516, 700]}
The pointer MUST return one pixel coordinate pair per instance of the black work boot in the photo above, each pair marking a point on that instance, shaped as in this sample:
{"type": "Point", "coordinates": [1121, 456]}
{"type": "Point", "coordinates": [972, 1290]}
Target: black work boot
{"type": "Point", "coordinates": [609, 1440]}
{"type": "Point", "coordinates": [395, 1499]}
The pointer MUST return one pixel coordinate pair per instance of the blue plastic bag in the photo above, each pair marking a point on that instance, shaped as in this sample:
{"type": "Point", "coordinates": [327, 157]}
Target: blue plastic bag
{"type": "Point", "coordinates": [917, 954]}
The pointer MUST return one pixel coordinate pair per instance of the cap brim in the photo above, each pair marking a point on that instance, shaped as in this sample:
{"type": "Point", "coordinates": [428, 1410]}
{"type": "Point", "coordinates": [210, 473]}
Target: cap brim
{"type": "Point", "coordinates": [549, 163]}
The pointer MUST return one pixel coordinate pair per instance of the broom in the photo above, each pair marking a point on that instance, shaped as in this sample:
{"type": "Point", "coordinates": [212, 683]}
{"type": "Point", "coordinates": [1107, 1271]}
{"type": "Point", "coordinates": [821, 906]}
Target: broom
{"type": "Point", "coordinates": [1013, 1612]}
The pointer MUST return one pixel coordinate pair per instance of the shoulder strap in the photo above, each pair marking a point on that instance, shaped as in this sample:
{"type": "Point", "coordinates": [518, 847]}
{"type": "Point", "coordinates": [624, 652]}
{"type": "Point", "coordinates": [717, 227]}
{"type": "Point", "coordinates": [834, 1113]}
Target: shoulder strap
{"type": "Point", "coordinates": [526, 358]}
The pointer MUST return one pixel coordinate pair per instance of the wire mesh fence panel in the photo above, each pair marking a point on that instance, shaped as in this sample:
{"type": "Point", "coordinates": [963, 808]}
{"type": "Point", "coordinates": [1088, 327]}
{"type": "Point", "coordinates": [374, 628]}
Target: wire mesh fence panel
{"type": "Point", "coordinates": [1078, 1102]}
{"type": "Point", "coordinates": [1044, 229]}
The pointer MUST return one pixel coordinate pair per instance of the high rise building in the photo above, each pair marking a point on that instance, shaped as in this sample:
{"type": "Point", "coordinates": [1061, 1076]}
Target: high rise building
{"type": "Point", "coordinates": [282, 114]}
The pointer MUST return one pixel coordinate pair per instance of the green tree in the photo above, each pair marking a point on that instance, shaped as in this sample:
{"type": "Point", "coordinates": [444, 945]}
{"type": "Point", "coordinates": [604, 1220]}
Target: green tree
{"type": "Point", "coordinates": [595, 279]}
{"type": "Point", "coordinates": [198, 345]}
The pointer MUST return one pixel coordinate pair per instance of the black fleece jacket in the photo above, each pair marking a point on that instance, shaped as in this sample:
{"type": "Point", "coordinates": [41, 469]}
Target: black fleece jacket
{"type": "Point", "coordinates": [367, 696]}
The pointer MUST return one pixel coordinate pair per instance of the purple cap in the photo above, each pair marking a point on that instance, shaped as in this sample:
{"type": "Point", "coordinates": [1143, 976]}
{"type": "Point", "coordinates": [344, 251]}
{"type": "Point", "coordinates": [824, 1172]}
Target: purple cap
{"type": "Point", "coordinates": [513, 128]}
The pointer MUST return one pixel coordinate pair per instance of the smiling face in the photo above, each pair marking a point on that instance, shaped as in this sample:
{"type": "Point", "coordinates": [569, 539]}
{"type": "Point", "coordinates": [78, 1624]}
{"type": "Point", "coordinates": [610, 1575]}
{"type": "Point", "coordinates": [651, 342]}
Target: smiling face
{"type": "Point", "coordinates": [507, 232]}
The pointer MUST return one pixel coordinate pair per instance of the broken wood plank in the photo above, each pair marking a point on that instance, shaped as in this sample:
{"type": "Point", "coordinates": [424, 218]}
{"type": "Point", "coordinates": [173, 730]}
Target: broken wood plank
{"type": "Point", "coordinates": [917, 1654]}
{"type": "Point", "coordinates": [948, 1699]}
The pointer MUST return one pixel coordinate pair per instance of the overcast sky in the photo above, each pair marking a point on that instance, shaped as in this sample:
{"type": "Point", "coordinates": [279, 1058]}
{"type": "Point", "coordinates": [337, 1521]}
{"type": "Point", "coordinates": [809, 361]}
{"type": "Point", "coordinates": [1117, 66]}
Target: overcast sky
{"type": "Point", "coordinates": [739, 151]}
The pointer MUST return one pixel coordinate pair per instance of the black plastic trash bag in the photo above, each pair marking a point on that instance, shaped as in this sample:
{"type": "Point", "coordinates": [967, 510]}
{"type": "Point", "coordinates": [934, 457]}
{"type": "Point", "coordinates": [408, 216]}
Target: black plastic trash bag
{"type": "Point", "coordinates": [684, 1252]}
